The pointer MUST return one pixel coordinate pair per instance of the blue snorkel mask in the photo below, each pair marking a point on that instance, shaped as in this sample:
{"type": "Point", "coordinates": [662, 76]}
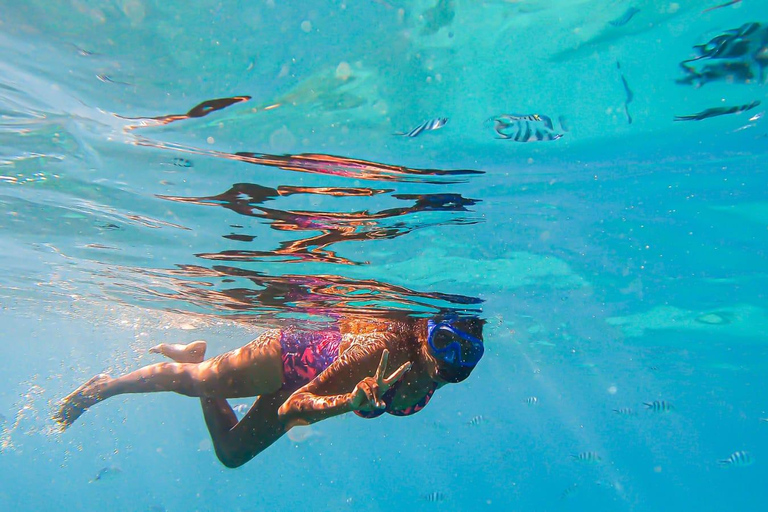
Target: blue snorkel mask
{"type": "Point", "coordinates": [441, 338]}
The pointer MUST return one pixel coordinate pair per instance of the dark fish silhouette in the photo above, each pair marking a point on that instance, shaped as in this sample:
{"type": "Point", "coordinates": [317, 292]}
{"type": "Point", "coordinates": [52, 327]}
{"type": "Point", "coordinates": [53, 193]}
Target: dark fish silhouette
{"type": "Point", "coordinates": [106, 473]}
{"type": "Point", "coordinates": [629, 94]}
{"type": "Point", "coordinates": [718, 111]}
{"type": "Point", "coordinates": [624, 18]}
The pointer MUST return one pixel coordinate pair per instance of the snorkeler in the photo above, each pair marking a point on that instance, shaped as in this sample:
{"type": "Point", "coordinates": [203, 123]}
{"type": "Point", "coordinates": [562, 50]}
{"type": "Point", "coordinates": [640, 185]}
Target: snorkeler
{"type": "Point", "coordinates": [301, 377]}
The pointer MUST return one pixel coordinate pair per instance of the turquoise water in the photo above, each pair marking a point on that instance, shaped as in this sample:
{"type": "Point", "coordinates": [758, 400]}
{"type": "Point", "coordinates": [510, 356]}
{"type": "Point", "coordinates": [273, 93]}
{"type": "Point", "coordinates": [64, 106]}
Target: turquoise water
{"type": "Point", "coordinates": [620, 264]}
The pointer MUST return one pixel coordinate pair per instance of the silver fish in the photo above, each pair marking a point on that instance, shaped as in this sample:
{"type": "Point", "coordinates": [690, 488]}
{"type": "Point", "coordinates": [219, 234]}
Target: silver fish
{"type": "Point", "coordinates": [737, 459]}
{"type": "Point", "coordinates": [659, 406]}
{"type": "Point", "coordinates": [531, 400]}
{"type": "Point", "coordinates": [429, 124]}
{"type": "Point", "coordinates": [588, 457]}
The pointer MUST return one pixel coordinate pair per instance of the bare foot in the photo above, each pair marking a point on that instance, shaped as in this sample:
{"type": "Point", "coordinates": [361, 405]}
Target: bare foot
{"type": "Point", "coordinates": [192, 353]}
{"type": "Point", "coordinates": [77, 402]}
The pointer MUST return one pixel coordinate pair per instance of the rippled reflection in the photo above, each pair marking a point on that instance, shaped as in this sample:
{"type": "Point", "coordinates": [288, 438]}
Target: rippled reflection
{"type": "Point", "coordinates": [200, 110]}
{"type": "Point", "coordinates": [334, 227]}
{"type": "Point", "coordinates": [273, 299]}
{"type": "Point", "coordinates": [314, 236]}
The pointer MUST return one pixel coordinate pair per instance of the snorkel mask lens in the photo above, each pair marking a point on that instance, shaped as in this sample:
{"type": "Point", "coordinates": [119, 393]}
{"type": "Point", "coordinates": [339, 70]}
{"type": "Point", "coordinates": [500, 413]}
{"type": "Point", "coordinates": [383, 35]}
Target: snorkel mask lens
{"type": "Point", "coordinates": [442, 339]}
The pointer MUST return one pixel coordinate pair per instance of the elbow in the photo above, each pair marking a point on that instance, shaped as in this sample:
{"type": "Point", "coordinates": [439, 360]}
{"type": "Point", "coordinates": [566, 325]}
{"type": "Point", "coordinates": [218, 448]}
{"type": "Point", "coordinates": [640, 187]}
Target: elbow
{"type": "Point", "coordinates": [284, 411]}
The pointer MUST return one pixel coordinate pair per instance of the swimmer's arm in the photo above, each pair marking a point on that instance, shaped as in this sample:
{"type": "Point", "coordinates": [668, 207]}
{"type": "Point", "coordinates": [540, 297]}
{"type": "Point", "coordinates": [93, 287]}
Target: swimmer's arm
{"type": "Point", "coordinates": [325, 396]}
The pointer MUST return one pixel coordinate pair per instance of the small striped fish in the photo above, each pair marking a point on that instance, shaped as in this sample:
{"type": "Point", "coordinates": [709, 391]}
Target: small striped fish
{"type": "Point", "coordinates": [568, 491]}
{"type": "Point", "coordinates": [524, 127]}
{"type": "Point", "coordinates": [624, 411]}
{"type": "Point", "coordinates": [588, 457]}
{"type": "Point", "coordinates": [740, 458]}
{"type": "Point", "coordinates": [659, 406]}
{"type": "Point", "coordinates": [430, 124]}
{"type": "Point", "coordinates": [182, 162]}
{"type": "Point", "coordinates": [476, 420]}
{"type": "Point", "coordinates": [531, 400]}
{"type": "Point", "coordinates": [241, 409]}
{"type": "Point", "coordinates": [435, 497]}
{"type": "Point", "coordinates": [506, 120]}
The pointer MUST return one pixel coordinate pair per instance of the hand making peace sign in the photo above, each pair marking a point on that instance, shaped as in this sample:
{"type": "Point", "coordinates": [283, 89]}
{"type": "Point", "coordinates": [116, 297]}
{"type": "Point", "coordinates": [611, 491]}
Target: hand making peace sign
{"type": "Point", "coordinates": [367, 394]}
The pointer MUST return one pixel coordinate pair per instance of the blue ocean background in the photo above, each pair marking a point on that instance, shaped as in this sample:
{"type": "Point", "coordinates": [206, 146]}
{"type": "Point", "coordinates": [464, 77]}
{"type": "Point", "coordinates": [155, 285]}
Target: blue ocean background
{"type": "Point", "coordinates": [622, 264]}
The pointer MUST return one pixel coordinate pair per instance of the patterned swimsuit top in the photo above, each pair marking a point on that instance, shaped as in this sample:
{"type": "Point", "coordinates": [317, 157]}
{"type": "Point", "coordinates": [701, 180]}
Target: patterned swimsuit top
{"type": "Point", "coordinates": [306, 354]}
{"type": "Point", "coordinates": [390, 395]}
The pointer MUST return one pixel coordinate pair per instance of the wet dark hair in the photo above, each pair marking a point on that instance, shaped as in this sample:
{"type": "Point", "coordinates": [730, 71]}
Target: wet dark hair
{"type": "Point", "coordinates": [471, 325]}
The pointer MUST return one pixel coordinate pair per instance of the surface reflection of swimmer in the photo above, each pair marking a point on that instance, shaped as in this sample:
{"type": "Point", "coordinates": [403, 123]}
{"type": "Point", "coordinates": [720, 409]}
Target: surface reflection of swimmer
{"type": "Point", "coordinates": [718, 111]}
{"type": "Point", "coordinates": [737, 55]}
{"type": "Point", "coordinates": [334, 227]}
{"type": "Point", "coordinates": [200, 110]}
{"type": "Point", "coordinates": [301, 377]}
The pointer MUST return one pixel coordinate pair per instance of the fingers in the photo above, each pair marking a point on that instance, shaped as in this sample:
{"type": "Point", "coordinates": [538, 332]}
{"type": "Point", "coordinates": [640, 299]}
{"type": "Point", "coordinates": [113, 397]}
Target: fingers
{"type": "Point", "coordinates": [398, 373]}
{"type": "Point", "coordinates": [382, 365]}
{"type": "Point", "coordinates": [371, 392]}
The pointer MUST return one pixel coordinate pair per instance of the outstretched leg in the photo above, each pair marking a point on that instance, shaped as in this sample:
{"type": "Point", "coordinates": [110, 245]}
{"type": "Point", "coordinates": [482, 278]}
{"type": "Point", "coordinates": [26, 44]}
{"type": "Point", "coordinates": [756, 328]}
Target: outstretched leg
{"type": "Point", "coordinates": [251, 370]}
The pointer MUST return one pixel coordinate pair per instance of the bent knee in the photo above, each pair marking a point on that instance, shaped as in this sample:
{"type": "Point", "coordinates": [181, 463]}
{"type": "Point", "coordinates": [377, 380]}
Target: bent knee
{"type": "Point", "coordinates": [231, 460]}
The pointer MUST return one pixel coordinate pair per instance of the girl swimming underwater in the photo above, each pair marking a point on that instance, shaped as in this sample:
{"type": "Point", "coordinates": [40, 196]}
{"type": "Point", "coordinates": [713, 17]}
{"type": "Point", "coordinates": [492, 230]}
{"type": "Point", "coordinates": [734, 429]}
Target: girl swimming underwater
{"type": "Point", "coordinates": [301, 377]}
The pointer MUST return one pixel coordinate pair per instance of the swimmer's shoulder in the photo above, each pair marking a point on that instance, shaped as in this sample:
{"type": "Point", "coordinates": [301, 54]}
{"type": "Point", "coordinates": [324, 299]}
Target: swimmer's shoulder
{"type": "Point", "coordinates": [373, 333]}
